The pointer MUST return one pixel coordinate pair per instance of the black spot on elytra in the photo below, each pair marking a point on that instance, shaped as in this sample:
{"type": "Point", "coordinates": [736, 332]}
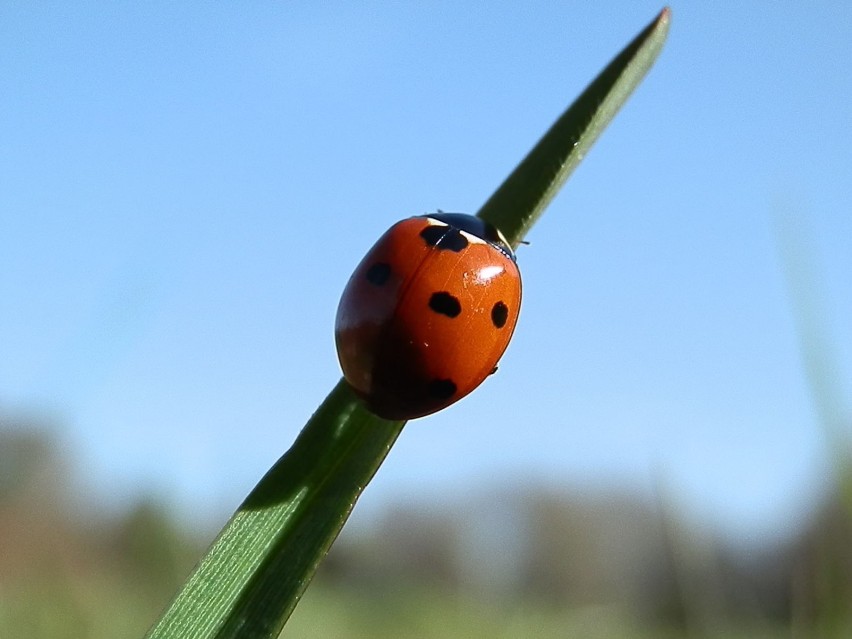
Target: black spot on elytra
{"type": "Point", "coordinates": [445, 304]}
{"type": "Point", "coordinates": [378, 273]}
{"type": "Point", "coordinates": [499, 314]}
{"type": "Point", "coordinates": [444, 238]}
{"type": "Point", "coordinates": [442, 388]}
{"type": "Point", "coordinates": [432, 234]}
{"type": "Point", "coordinates": [454, 241]}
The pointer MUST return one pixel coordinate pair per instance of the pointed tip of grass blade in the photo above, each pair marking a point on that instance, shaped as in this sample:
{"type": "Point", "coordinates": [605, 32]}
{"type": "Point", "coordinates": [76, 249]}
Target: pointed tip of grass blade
{"type": "Point", "coordinates": [663, 19]}
{"type": "Point", "coordinates": [522, 197]}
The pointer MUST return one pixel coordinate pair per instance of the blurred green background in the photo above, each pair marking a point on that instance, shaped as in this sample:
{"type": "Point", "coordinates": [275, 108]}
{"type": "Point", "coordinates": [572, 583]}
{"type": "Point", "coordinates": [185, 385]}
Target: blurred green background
{"type": "Point", "coordinates": [504, 562]}
{"type": "Point", "coordinates": [184, 191]}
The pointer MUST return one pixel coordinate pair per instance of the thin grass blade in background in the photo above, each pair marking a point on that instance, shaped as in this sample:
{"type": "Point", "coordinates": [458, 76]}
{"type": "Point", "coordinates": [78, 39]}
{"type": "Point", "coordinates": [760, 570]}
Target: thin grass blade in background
{"type": "Point", "coordinates": [829, 612]}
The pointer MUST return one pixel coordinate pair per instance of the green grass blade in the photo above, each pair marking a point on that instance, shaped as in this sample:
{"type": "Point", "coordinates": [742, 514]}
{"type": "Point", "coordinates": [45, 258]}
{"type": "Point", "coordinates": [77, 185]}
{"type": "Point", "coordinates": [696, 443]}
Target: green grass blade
{"type": "Point", "coordinates": [259, 566]}
{"type": "Point", "coordinates": [257, 569]}
{"type": "Point", "coordinates": [521, 199]}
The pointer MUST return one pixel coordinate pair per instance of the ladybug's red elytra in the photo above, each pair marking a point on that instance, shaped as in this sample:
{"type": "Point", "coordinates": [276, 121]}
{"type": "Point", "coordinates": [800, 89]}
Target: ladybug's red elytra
{"type": "Point", "coordinates": [427, 314]}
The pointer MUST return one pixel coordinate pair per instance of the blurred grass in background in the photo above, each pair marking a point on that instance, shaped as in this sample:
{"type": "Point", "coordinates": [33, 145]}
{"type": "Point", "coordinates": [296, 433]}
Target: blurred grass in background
{"type": "Point", "coordinates": [517, 561]}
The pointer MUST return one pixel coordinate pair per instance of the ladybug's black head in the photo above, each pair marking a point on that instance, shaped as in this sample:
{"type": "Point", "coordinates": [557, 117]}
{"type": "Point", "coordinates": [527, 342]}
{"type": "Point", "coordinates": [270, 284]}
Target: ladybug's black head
{"type": "Point", "coordinates": [478, 227]}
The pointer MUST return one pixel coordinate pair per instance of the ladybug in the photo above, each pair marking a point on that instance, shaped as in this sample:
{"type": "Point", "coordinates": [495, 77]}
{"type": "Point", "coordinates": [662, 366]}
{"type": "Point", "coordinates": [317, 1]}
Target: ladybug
{"type": "Point", "coordinates": [427, 314]}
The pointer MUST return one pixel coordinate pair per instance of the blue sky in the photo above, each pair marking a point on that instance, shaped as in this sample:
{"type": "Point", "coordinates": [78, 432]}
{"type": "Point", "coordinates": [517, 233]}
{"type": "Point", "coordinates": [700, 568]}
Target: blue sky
{"type": "Point", "coordinates": [184, 190]}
